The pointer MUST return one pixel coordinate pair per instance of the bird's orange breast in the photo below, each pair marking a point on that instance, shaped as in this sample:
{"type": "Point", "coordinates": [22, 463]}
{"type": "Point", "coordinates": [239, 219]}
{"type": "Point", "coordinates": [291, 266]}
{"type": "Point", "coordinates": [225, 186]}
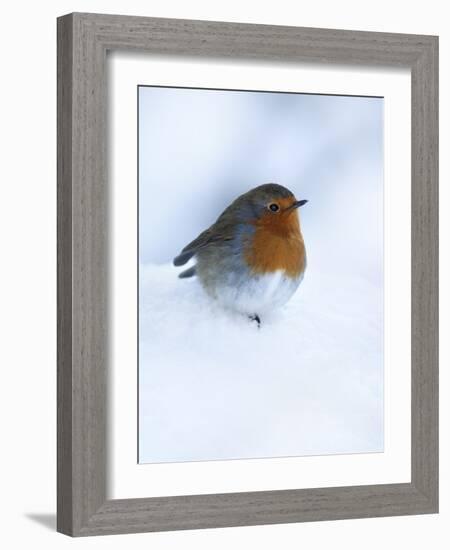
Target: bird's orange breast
{"type": "Point", "coordinates": [277, 245]}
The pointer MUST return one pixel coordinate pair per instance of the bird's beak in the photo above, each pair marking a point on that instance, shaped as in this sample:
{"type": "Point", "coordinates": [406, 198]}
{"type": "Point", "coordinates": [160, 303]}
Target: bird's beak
{"type": "Point", "coordinates": [297, 204]}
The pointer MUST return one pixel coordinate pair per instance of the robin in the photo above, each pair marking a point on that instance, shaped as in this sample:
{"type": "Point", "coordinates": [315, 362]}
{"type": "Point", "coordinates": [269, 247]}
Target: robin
{"type": "Point", "coordinates": [252, 259]}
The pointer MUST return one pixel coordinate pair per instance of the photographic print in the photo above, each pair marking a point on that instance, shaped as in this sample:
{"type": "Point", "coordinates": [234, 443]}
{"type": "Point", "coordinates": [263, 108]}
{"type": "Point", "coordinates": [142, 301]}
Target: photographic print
{"type": "Point", "coordinates": [260, 307]}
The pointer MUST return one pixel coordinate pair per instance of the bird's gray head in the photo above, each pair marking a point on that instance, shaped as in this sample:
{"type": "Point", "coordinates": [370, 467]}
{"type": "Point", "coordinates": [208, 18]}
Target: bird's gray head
{"type": "Point", "coordinates": [270, 202]}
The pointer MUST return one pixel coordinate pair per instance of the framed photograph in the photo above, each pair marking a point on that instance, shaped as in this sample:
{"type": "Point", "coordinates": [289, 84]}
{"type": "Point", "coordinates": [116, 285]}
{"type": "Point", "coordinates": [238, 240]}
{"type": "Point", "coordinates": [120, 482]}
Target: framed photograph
{"type": "Point", "coordinates": [247, 274]}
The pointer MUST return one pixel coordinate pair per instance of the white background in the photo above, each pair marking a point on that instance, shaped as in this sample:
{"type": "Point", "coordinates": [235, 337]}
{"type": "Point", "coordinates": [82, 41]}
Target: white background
{"type": "Point", "coordinates": [347, 398]}
{"type": "Point", "coordinates": [28, 301]}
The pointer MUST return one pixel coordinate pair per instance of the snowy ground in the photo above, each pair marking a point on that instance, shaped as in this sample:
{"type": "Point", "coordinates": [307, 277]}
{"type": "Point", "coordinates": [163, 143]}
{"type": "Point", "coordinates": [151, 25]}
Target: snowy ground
{"type": "Point", "coordinates": [213, 386]}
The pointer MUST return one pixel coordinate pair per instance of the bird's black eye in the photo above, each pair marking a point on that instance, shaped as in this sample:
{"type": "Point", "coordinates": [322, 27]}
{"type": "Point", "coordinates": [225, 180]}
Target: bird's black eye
{"type": "Point", "coordinates": [274, 207]}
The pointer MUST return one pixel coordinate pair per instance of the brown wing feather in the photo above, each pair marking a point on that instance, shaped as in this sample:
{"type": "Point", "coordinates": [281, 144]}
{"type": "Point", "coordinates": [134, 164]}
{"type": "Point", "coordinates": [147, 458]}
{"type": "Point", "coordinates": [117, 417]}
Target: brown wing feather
{"type": "Point", "coordinates": [222, 230]}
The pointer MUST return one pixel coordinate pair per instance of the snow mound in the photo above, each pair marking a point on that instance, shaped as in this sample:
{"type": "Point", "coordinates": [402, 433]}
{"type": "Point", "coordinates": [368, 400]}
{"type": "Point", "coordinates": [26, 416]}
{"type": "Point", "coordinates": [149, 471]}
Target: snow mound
{"type": "Point", "coordinates": [213, 386]}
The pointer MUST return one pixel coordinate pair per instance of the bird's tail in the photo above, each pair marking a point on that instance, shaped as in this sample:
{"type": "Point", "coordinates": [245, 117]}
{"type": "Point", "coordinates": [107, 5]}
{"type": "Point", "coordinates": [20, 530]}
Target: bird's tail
{"type": "Point", "coordinates": [188, 273]}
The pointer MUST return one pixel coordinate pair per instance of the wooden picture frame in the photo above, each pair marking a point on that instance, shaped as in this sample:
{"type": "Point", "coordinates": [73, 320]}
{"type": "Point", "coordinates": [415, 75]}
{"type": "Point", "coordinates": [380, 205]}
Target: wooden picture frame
{"type": "Point", "coordinates": [83, 40]}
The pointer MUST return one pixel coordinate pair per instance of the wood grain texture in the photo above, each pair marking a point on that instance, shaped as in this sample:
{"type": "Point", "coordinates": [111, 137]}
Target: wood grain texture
{"type": "Point", "coordinates": [64, 295]}
{"type": "Point", "coordinates": [425, 272]}
{"type": "Point", "coordinates": [82, 276]}
{"type": "Point", "coordinates": [83, 317]}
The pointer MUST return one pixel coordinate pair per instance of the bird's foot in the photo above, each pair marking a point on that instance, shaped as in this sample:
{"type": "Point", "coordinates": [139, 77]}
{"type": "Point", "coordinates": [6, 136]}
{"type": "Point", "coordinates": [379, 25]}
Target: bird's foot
{"type": "Point", "coordinates": [255, 318]}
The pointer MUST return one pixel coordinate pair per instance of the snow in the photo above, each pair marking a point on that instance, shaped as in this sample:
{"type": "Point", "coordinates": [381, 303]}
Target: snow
{"type": "Point", "coordinates": [214, 386]}
{"type": "Point", "coordinates": [310, 381]}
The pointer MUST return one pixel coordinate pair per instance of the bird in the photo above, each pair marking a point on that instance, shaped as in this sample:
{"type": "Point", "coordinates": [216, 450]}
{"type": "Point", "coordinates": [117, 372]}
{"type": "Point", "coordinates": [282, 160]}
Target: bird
{"type": "Point", "coordinates": [253, 258]}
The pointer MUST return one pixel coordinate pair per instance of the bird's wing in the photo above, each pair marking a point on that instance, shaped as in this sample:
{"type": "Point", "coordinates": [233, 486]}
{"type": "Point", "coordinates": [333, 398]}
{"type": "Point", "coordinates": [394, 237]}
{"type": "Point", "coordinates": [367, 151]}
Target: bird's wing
{"type": "Point", "coordinates": [220, 231]}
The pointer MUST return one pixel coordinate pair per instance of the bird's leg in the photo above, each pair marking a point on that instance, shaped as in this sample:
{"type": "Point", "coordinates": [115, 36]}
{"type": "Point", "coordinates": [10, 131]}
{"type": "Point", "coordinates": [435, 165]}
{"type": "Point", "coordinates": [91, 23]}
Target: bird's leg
{"type": "Point", "coordinates": [256, 318]}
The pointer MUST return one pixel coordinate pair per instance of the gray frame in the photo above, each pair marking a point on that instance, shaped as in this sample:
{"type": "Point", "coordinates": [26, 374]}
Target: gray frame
{"type": "Point", "coordinates": [83, 40]}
